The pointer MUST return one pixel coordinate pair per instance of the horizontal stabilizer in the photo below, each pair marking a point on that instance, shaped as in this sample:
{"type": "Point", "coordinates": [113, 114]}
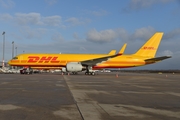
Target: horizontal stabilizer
{"type": "Point", "coordinates": [157, 59]}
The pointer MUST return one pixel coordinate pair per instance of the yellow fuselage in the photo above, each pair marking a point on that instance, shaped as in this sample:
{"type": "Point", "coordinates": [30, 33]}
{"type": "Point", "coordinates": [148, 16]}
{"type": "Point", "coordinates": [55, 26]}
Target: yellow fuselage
{"type": "Point", "coordinates": [60, 60]}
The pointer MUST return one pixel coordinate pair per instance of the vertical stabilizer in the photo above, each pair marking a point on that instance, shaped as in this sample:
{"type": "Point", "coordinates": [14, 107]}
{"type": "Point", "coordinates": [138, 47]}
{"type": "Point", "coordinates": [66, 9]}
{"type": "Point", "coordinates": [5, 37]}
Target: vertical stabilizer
{"type": "Point", "coordinates": [150, 48]}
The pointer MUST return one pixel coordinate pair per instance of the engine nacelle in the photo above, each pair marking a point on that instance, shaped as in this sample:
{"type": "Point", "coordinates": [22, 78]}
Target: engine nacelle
{"type": "Point", "coordinates": [74, 67]}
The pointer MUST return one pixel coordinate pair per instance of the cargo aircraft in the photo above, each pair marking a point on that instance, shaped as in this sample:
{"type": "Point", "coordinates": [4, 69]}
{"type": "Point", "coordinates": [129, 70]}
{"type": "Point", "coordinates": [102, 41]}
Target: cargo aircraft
{"type": "Point", "coordinates": [91, 62]}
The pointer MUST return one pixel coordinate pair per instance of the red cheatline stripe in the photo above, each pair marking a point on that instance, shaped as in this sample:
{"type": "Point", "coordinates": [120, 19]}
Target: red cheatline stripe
{"type": "Point", "coordinates": [123, 62]}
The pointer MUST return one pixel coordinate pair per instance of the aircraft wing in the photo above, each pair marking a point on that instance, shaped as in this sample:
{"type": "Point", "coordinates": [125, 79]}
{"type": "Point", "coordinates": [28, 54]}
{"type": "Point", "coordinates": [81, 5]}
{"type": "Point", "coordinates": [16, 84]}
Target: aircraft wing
{"type": "Point", "coordinates": [157, 59]}
{"type": "Point", "coordinates": [94, 61]}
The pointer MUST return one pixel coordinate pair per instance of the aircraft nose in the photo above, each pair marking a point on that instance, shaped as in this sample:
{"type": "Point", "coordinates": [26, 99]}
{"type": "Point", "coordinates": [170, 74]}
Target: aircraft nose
{"type": "Point", "coordinates": [9, 62]}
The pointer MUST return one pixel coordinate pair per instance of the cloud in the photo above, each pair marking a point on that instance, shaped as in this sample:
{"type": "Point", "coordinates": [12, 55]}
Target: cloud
{"type": "Point", "coordinates": [97, 12]}
{"type": "Point", "coordinates": [52, 20]}
{"type": "Point", "coordinates": [57, 37]}
{"type": "Point", "coordinates": [167, 53]}
{"type": "Point", "coordinates": [75, 35]}
{"type": "Point", "coordinates": [82, 48]}
{"type": "Point", "coordinates": [7, 3]}
{"type": "Point", "coordinates": [5, 17]}
{"type": "Point", "coordinates": [143, 33]}
{"type": "Point", "coordinates": [30, 18]}
{"type": "Point", "coordinates": [110, 35]}
{"type": "Point", "coordinates": [51, 2]}
{"type": "Point", "coordinates": [27, 19]}
{"type": "Point", "coordinates": [141, 4]}
{"type": "Point", "coordinates": [75, 21]}
{"type": "Point", "coordinates": [30, 33]}
{"type": "Point", "coordinates": [102, 36]}
{"type": "Point", "coordinates": [172, 34]}
{"type": "Point", "coordinates": [122, 34]}
{"type": "Point", "coordinates": [24, 19]}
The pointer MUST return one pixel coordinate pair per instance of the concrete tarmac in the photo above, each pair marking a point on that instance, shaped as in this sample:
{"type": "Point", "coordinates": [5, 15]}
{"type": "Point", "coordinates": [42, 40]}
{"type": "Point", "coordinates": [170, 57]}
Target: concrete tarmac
{"type": "Point", "coordinates": [106, 96]}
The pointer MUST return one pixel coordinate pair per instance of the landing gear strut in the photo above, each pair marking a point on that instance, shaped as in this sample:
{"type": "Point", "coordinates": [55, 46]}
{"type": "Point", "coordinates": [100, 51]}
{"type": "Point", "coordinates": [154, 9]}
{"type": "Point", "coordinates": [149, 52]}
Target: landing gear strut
{"type": "Point", "coordinates": [89, 71]}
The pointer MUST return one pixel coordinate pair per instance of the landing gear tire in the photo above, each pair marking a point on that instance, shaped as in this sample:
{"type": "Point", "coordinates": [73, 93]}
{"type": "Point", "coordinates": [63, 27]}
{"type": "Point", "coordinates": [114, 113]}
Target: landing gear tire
{"type": "Point", "coordinates": [93, 73]}
{"type": "Point", "coordinates": [74, 73]}
{"type": "Point", "coordinates": [90, 73]}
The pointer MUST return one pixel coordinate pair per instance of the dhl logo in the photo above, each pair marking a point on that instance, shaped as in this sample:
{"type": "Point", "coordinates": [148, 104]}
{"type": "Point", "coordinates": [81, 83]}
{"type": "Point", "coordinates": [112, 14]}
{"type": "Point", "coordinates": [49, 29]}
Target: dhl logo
{"type": "Point", "coordinates": [148, 48]}
{"type": "Point", "coordinates": [44, 59]}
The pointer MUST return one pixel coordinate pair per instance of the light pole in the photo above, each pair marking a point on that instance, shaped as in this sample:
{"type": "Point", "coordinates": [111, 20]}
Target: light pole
{"type": "Point", "coordinates": [3, 48]}
{"type": "Point", "coordinates": [16, 55]}
{"type": "Point", "coordinates": [16, 50]}
{"type": "Point", "coordinates": [12, 49]}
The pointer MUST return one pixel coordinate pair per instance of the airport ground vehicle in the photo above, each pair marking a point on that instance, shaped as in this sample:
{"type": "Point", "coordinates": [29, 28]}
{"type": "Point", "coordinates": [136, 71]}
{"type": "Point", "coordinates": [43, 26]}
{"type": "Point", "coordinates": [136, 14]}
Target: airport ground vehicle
{"type": "Point", "coordinates": [26, 71]}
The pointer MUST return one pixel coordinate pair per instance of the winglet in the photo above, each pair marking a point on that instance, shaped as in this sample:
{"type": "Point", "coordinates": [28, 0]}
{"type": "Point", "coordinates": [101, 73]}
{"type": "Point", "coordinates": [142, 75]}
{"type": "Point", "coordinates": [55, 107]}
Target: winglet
{"type": "Point", "coordinates": [122, 49]}
{"type": "Point", "coordinates": [112, 52]}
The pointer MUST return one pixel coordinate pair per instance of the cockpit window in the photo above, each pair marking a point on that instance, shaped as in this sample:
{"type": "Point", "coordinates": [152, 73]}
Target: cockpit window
{"type": "Point", "coordinates": [15, 58]}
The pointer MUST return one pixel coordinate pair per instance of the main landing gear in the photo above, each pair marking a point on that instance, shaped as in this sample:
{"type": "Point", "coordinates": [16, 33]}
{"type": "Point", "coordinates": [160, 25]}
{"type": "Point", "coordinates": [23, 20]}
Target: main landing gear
{"type": "Point", "coordinates": [74, 73]}
{"type": "Point", "coordinates": [89, 71]}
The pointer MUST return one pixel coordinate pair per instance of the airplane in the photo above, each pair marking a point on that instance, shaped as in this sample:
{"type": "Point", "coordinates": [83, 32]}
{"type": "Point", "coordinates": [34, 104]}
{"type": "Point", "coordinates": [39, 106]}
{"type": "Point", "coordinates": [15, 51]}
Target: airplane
{"type": "Point", "coordinates": [90, 62]}
{"type": "Point", "coordinates": [51, 61]}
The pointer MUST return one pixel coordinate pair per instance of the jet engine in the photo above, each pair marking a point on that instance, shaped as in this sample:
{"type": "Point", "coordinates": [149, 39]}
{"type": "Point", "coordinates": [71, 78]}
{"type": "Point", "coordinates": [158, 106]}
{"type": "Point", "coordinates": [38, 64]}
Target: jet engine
{"type": "Point", "coordinates": [74, 67]}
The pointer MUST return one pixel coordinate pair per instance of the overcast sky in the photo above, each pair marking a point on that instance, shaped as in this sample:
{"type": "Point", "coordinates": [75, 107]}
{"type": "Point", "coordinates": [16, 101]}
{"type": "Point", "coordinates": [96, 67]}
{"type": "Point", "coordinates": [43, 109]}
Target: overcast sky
{"type": "Point", "coordinates": [93, 26]}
